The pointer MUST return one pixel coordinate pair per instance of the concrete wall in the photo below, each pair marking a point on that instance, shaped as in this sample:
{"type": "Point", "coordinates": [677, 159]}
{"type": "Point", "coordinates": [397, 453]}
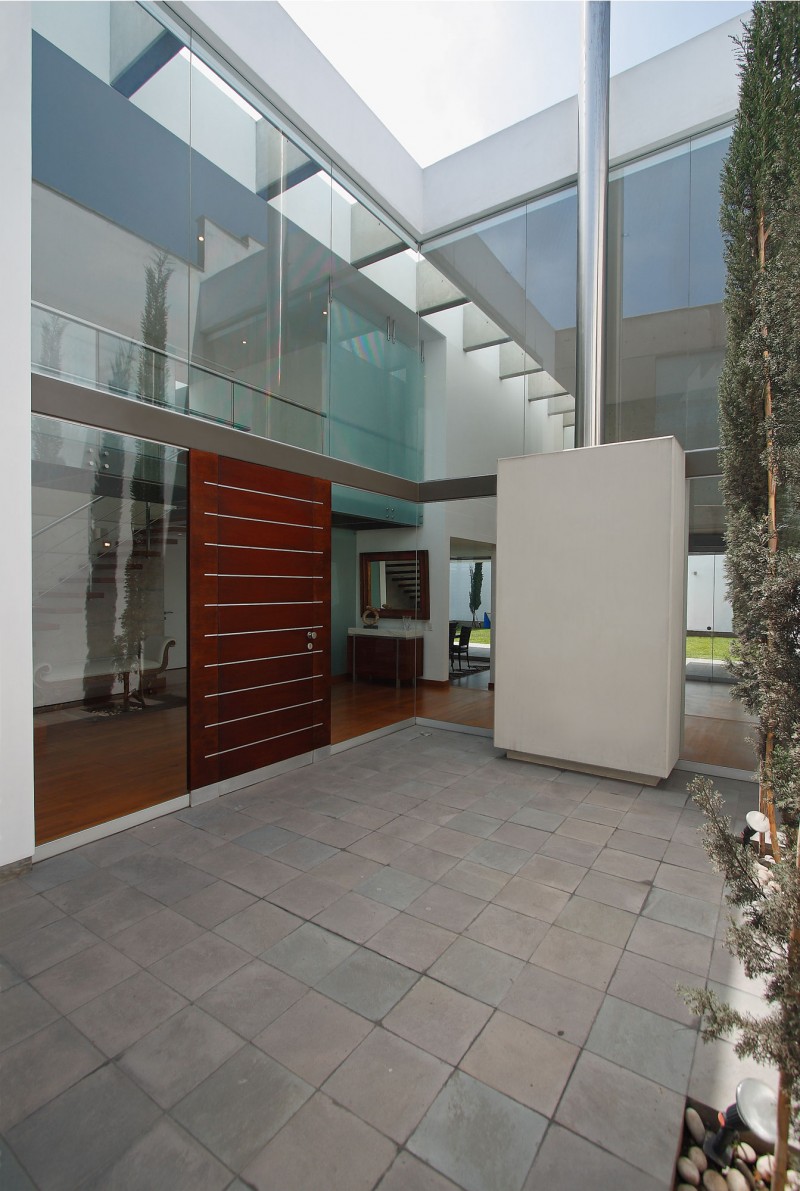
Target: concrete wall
{"type": "Point", "coordinates": [16, 729]}
{"type": "Point", "coordinates": [589, 622]}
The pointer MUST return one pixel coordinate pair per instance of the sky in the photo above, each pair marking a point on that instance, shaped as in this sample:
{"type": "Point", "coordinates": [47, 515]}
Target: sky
{"type": "Point", "coordinates": [443, 74]}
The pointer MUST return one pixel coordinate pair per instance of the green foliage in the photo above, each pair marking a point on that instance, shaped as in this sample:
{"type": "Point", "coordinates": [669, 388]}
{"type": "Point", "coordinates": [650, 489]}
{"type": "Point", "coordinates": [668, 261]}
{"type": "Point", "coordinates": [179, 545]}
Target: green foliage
{"type": "Point", "coordinates": [475, 588]}
{"type": "Point", "coordinates": [759, 936]}
{"type": "Point", "coordinates": [153, 370]}
{"type": "Point", "coordinates": [760, 446]}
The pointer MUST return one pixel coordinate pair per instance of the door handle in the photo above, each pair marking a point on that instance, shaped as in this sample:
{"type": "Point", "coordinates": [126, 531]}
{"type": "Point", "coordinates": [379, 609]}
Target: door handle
{"type": "Point", "coordinates": [311, 636]}
{"type": "Point", "coordinates": [310, 645]}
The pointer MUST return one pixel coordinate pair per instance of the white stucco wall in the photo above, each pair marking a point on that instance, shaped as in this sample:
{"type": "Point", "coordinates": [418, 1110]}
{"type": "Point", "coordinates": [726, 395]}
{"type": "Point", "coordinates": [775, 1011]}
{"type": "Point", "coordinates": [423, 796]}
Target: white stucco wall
{"type": "Point", "coordinates": [16, 730]}
{"type": "Point", "coordinates": [588, 633]}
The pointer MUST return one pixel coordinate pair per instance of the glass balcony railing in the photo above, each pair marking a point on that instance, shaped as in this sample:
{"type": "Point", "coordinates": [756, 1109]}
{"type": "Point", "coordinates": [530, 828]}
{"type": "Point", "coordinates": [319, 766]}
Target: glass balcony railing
{"type": "Point", "coordinates": [75, 350]}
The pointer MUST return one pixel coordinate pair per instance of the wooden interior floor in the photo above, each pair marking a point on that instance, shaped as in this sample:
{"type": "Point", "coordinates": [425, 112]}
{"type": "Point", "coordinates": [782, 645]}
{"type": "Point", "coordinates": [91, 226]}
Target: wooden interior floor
{"type": "Point", "coordinates": [90, 769]}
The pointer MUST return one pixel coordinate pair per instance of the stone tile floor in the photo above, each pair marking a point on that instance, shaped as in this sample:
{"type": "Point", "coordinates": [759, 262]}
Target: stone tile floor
{"type": "Point", "coordinates": [415, 966]}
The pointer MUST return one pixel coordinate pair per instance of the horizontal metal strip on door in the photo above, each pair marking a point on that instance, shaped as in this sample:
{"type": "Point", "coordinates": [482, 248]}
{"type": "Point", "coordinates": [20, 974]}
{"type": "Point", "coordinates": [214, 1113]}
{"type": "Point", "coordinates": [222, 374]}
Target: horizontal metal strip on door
{"type": "Point", "coordinates": [267, 506]}
{"type": "Point", "coordinates": [270, 753]}
{"type": "Point", "coordinates": [263, 492]}
{"type": "Point", "coordinates": [267, 740]}
{"type": "Point", "coordinates": [256, 661]}
{"type": "Point", "coordinates": [251, 533]}
{"type": "Point", "coordinates": [274, 589]}
{"type": "Point", "coordinates": [262, 520]}
{"type": "Point", "coordinates": [241, 690]}
{"type": "Point", "coordinates": [243, 735]}
{"type": "Point", "coordinates": [259, 715]}
{"type": "Point", "coordinates": [267, 700]}
{"type": "Point", "coordinates": [269, 549]}
{"type": "Point", "coordinates": [251, 477]}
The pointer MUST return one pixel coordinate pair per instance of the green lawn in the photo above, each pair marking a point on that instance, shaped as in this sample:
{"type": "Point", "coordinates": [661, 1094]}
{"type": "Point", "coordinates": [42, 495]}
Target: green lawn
{"type": "Point", "coordinates": [700, 648]}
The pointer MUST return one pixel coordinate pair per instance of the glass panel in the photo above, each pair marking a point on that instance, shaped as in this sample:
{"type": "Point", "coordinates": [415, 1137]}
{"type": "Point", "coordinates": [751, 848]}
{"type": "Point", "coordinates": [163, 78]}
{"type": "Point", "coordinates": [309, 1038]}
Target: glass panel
{"type": "Point", "coordinates": [665, 287]}
{"type": "Point", "coordinates": [109, 616]}
{"type": "Point", "coordinates": [110, 198]}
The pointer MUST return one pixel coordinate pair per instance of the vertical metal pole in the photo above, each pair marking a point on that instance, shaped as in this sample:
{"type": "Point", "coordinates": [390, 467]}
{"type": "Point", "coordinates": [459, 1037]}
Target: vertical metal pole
{"type": "Point", "coordinates": [592, 220]}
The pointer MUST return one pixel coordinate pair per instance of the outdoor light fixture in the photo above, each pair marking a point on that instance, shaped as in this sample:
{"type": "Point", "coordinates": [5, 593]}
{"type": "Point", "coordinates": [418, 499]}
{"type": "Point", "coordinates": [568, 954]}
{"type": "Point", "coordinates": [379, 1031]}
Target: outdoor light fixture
{"type": "Point", "coordinates": [753, 1112]}
{"type": "Point", "coordinates": [757, 824]}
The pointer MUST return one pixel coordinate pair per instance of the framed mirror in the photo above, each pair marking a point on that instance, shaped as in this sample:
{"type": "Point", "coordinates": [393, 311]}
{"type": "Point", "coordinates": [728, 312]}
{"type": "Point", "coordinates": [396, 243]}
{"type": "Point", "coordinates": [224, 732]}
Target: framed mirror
{"type": "Point", "coordinates": [396, 583]}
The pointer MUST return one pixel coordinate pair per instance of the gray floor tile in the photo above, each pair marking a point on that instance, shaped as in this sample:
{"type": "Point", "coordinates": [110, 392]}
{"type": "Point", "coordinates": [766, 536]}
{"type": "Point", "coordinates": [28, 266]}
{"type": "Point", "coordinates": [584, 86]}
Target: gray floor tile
{"type": "Point", "coordinates": [22, 1012]}
{"type": "Point", "coordinates": [197, 967]}
{"type": "Point", "coordinates": [113, 914]}
{"type": "Point", "coordinates": [534, 816]}
{"type": "Point", "coordinates": [409, 1174]}
{"type": "Point", "coordinates": [564, 1007]}
{"type": "Point", "coordinates": [626, 864]}
{"type": "Point", "coordinates": [348, 870]}
{"type": "Point", "coordinates": [493, 854]}
{"type": "Point", "coordinates": [103, 852]}
{"type": "Point", "coordinates": [717, 1068]}
{"type": "Point", "coordinates": [25, 916]}
{"type": "Point", "coordinates": [393, 887]}
{"type": "Point", "coordinates": [475, 879]}
{"type": "Point", "coordinates": [613, 891]}
{"type": "Point", "coordinates": [597, 814]}
{"type": "Point", "coordinates": [13, 892]}
{"type": "Point", "coordinates": [40, 949]}
{"type": "Point", "coordinates": [671, 945]}
{"type": "Point", "coordinates": [304, 853]}
{"type": "Point", "coordinates": [388, 1082]}
{"type": "Point", "coordinates": [40, 1068]}
{"type": "Point", "coordinates": [577, 957]}
{"type": "Point", "coordinates": [8, 975]}
{"type": "Point", "coordinates": [12, 1176]}
{"type": "Point", "coordinates": [656, 1047]}
{"type": "Point", "coordinates": [477, 970]}
{"type": "Point", "coordinates": [549, 871]}
{"type": "Point", "coordinates": [408, 828]}
{"type": "Point", "coordinates": [689, 912]}
{"type": "Point", "coordinates": [707, 886]}
{"type": "Point", "coordinates": [261, 876]}
{"type": "Point", "coordinates": [356, 917]}
{"type": "Point", "coordinates": [322, 1146]}
{"type": "Point", "coordinates": [521, 1061]}
{"type": "Point", "coordinates": [597, 921]}
{"type": "Point", "coordinates": [155, 936]}
{"type": "Point", "coordinates": [453, 843]}
{"type": "Point", "coordinates": [438, 1019]}
{"type": "Point", "coordinates": [639, 845]}
{"type": "Point", "coordinates": [424, 862]}
{"type": "Point", "coordinates": [411, 942]}
{"type": "Point", "coordinates": [507, 930]}
{"type": "Point", "coordinates": [178, 1055]}
{"type": "Point", "coordinates": [447, 908]}
{"type": "Point", "coordinates": [309, 953]}
{"type": "Point", "coordinates": [236, 1111]}
{"type": "Point", "coordinates": [659, 825]}
{"type": "Point", "coordinates": [214, 904]}
{"type": "Point", "coordinates": [478, 1137]}
{"type": "Point", "coordinates": [379, 847]}
{"type": "Point", "coordinates": [474, 824]}
{"type": "Point", "coordinates": [652, 985]}
{"type": "Point", "coordinates": [532, 898]}
{"type": "Point", "coordinates": [590, 833]}
{"type": "Point", "coordinates": [119, 1017]}
{"type": "Point", "coordinates": [307, 896]}
{"type": "Point", "coordinates": [83, 1130]}
{"type": "Point", "coordinates": [337, 834]}
{"type": "Point", "coordinates": [73, 896]}
{"type": "Point", "coordinates": [368, 983]}
{"type": "Point", "coordinates": [564, 1158]}
{"type": "Point", "coordinates": [574, 851]}
{"type": "Point", "coordinates": [640, 1121]}
{"type": "Point", "coordinates": [165, 1156]}
{"type": "Point", "coordinates": [82, 977]}
{"type": "Point", "coordinates": [313, 1037]}
{"type": "Point", "coordinates": [258, 927]}
{"type": "Point", "coordinates": [164, 878]}
{"type": "Point", "coordinates": [47, 874]}
{"type": "Point", "coordinates": [251, 998]}
{"type": "Point", "coordinates": [267, 839]}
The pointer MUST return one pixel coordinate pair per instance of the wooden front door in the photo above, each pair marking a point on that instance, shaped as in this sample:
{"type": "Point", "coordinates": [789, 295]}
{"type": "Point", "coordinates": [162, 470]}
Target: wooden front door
{"type": "Point", "coordinates": [259, 628]}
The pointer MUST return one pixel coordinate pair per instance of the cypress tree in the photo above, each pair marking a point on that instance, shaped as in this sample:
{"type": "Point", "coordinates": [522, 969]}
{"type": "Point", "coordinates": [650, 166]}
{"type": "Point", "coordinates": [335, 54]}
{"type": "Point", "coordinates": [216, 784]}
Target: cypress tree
{"type": "Point", "coordinates": [760, 448]}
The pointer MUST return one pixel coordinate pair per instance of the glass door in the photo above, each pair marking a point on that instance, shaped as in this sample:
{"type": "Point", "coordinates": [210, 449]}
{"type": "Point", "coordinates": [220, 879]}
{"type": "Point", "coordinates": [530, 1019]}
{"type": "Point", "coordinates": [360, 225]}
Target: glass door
{"type": "Point", "coordinates": [709, 620]}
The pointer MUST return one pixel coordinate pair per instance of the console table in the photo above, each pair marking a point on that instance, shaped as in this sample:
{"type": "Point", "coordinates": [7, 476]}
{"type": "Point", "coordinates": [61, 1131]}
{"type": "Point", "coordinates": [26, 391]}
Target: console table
{"type": "Point", "coordinates": [388, 655]}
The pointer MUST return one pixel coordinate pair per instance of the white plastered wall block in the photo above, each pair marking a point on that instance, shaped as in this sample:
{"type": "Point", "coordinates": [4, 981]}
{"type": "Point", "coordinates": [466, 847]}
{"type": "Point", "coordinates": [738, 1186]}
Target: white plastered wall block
{"type": "Point", "coordinates": [589, 629]}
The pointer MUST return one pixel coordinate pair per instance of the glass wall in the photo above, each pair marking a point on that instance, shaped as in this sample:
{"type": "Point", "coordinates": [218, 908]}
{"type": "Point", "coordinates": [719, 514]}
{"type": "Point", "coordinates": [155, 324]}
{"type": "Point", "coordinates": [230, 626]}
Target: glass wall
{"type": "Point", "coordinates": [109, 625]}
{"type": "Point", "coordinates": [511, 342]}
{"type": "Point", "coordinates": [188, 253]}
{"type": "Point", "coordinates": [665, 287]}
